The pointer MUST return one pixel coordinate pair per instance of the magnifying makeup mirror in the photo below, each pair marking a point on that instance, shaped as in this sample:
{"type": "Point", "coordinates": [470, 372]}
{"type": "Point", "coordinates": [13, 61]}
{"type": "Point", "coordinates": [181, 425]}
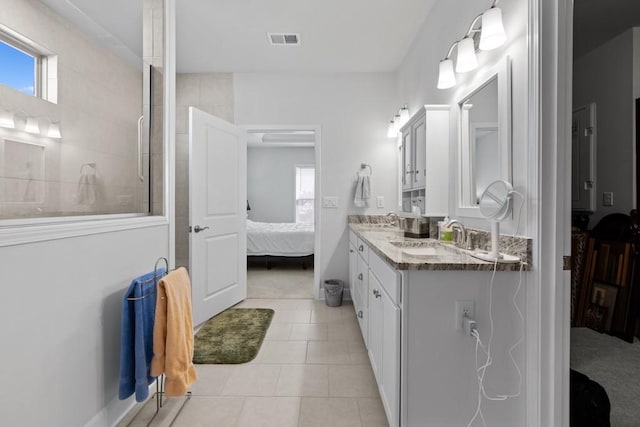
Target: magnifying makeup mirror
{"type": "Point", "coordinates": [495, 206]}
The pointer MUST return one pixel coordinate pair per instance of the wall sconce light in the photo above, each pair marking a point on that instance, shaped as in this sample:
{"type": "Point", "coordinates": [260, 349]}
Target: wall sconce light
{"type": "Point", "coordinates": [492, 36]}
{"type": "Point", "coordinates": [32, 125]}
{"type": "Point", "coordinates": [6, 119]}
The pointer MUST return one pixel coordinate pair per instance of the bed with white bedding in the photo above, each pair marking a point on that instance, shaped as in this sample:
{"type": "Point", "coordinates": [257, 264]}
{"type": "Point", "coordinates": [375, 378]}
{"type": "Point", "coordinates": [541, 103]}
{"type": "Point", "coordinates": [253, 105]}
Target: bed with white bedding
{"type": "Point", "coordinates": [279, 239]}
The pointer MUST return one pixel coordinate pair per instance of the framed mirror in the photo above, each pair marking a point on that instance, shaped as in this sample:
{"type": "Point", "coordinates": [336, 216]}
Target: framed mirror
{"type": "Point", "coordinates": [484, 143]}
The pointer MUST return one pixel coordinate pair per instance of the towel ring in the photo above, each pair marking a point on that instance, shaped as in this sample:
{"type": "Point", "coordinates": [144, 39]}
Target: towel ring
{"type": "Point", "coordinates": [92, 165]}
{"type": "Point", "coordinates": [365, 165]}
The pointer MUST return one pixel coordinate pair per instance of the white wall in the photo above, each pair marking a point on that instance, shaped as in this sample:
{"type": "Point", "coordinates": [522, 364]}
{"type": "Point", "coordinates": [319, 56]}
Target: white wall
{"type": "Point", "coordinates": [416, 85]}
{"type": "Point", "coordinates": [271, 183]}
{"type": "Point", "coordinates": [606, 76]}
{"type": "Point", "coordinates": [353, 110]}
{"type": "Point", "coordinates": [60, 314]}
{"type": "Point", "coordinates": [210, 92]}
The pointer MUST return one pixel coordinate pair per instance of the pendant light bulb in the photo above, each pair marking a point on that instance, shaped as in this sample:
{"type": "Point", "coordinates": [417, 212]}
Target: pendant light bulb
{"type": "Point", "coordinates": [466, 59]}
{"type": "Point", "coordinates": [492, 35]}
{"type": "Point", "coordinates": [391, 131]}
{"type": "Point", "coordinates": [446, 76]}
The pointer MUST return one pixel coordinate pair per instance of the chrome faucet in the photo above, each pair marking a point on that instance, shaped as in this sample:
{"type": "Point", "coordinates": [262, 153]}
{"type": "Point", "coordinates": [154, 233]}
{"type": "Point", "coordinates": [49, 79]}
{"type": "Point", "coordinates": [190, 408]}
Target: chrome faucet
{"type": "Point", "coordinates": [461, 240]}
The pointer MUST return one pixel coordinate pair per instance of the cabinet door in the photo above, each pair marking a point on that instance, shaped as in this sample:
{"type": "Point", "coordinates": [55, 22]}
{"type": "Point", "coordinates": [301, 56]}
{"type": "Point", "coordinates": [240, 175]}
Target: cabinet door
{"type": "Point", "coordinates": [353, 271]}
{"type": "Point", "coordinates": [390, 363]}
{"type": "Point", "coordinates": [361, 302]}
{"type": "Point", "coordinates": [375, 326]}
{"type": "Point", "coordinates": [419, 131]}
{"type": "Point", "coordinates": [407, 162]}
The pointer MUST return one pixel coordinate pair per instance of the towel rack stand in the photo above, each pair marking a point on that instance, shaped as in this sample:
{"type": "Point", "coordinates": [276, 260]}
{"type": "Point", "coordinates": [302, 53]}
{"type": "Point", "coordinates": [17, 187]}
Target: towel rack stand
{"type": "Point", "coordinates": [159, 394]}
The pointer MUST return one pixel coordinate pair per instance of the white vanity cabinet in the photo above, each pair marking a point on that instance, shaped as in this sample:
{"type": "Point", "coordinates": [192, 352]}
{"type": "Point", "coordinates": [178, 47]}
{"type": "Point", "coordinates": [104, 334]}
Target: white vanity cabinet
{"type": "Point", "coordinates": [425, 160]}
{"type": "Point", "coordinates": [384, 333]}
{"type": "Point", "coordinates": [359, 277]}
{"type": "Point", "coordinates": [376, 292]}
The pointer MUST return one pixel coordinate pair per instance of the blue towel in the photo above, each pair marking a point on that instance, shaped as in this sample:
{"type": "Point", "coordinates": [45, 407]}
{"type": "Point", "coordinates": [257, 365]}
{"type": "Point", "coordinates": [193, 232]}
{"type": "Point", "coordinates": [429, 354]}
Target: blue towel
{"type": "Point", "coordinates": [136, 348]}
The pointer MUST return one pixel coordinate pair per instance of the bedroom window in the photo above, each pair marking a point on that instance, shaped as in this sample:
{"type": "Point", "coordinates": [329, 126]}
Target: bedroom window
{"type": "Point", "coordinates": [305, 193]}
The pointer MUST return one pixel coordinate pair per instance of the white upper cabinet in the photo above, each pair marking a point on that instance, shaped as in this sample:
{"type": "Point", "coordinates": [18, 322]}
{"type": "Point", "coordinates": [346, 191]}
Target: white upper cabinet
{"type": "Point", "coordinates": [425, 160]}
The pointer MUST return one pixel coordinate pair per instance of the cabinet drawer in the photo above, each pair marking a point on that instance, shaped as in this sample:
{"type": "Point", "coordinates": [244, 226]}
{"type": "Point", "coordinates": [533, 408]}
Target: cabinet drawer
{"type": "Point", "coordinates": [363, 250]}
{"type": "Point", "coordinates": [387, 276]}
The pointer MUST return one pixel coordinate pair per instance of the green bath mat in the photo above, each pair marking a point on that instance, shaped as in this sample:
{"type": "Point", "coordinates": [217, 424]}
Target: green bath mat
{"type": "Point", "coordinates": [233, 336]}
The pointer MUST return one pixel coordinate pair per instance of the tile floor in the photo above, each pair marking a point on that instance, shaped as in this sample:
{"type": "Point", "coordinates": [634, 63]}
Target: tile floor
{"type": "Point", "coordinates": [312, 370]}
{"type": "Point", "coordinates": [282, 281]}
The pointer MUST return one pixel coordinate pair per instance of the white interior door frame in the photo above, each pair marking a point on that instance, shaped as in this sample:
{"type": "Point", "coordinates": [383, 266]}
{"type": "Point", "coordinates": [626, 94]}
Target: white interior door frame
{"type": "Point", "coordinates": [549, 182]}
{"type": "Point", "coordinates": [317, 208]}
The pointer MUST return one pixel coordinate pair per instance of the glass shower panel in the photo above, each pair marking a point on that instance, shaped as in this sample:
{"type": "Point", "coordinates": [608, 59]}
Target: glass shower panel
{"type": "Point", "coordinates": [91, 143]}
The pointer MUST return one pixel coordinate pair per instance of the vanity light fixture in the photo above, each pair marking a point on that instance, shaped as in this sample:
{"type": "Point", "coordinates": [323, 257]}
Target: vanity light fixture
{"type": "Point", "coordinates": [446, 75]}
{"type": "Point", "coordinates": [391, 131]}
{"type": "Point", "coordinates": [6, 119]}
{"type": "Point", "coordinates": [492, 36]}
{"type": "Point", "coordinates": [466, 59]}
{"type": "Point", "coordinates": [404, 115]}
{"type": "Point", "coordinates": [399, 120]}
{"type": "Point", "coordinates": [54, 130]}
{"type": "Point", "coordinates": [32, 125]}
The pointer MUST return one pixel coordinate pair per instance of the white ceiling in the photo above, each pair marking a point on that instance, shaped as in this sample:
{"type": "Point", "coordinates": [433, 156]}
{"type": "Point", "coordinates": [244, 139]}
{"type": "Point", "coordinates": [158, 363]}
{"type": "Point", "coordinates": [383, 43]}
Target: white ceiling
{"type": "Point", "coordinates": [231, 35]}
{"type": "Point", "coordinates": [336, 35]}
{"type": "Point", "coordinates": [596, 21]}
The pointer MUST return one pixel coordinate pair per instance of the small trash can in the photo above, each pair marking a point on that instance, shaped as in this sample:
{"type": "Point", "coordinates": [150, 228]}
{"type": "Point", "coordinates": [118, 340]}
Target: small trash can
{"type": "Point", "coordinates": [333, 292]}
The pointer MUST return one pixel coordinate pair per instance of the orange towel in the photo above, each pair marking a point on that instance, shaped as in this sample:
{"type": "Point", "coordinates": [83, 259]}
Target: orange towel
{"type": "Point", "coordinates": [173, 333]}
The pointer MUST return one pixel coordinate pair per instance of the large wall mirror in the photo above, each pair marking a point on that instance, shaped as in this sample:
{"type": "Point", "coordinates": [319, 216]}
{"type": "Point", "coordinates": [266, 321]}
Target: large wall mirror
{"type": "Point", "coordinates": [484, 143]}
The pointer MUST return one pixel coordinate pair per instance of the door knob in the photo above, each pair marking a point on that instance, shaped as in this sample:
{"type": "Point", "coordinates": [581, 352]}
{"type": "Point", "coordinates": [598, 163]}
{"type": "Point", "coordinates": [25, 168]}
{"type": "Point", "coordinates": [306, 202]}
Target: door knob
{"type": "Point", "coordinates": [198, 229]}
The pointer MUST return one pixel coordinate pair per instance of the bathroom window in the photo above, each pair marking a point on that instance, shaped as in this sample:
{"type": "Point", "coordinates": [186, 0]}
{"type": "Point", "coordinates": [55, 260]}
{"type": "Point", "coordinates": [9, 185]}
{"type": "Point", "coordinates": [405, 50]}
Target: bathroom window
{"type": "Point", "coordinates": [305, 193]}
{"type": "Point", "coordinates": [20, 66]}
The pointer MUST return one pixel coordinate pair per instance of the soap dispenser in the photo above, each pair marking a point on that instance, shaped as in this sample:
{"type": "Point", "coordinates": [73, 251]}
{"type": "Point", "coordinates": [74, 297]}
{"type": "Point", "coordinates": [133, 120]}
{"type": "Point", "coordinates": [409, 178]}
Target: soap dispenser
{"type": "Point", "coordinates": [445, 231]}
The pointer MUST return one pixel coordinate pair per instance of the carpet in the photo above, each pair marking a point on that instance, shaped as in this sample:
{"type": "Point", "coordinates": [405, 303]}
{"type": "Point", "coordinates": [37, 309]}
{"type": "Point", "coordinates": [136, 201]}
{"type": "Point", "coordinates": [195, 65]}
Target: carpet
{"type": "Point", "coordinates": [232, 337]}
{"type": "Point", "coordinates": [613, 363]}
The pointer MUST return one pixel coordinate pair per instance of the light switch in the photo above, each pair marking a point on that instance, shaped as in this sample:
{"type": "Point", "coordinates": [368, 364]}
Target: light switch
{"type": "Point", "coordinates": [607, 198]}
{"type": "Point", "coordinates": [330, 202]}
{"type": "Point", "coordinates": [380, 202]}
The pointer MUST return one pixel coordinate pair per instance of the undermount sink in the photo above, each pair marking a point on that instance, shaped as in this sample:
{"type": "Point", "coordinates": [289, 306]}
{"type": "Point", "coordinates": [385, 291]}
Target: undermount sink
{"type": "Point", "coordinates": [426, 249]}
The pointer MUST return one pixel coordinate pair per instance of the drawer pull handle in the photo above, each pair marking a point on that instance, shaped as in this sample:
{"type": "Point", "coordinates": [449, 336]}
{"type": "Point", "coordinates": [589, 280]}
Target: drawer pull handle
{"type": "Point", "coordinates": [360, 315]}
{"type": "Point", "coordinates": [361, 248]}
{"type": "Point", "coordinates": [376, 293]}
{"type": "Point", "coordinates": [360, 276]}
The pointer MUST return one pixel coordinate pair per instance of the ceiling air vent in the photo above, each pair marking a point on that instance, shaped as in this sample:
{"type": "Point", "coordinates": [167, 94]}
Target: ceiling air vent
{"type": "Point", "coordinates": [284, 39]}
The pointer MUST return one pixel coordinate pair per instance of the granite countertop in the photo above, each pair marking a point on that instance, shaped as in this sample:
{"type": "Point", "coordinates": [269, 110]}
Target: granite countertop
{"type": "Point", "coordinates": [389, 243]}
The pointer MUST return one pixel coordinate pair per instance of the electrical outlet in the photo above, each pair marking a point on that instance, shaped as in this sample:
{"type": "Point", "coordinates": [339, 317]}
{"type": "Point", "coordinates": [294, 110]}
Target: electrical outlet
{"type": "Point", "coordinates": [607, 198]}
{"type": "Point", "coordinates": [380, 201]}
{"type": "Point", "coordinates": [464, 307]}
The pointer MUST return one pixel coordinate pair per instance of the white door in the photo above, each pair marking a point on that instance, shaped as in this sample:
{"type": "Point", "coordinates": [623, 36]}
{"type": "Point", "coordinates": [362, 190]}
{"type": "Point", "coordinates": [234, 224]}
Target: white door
{"type": "Point", "coordinates": [217, 209]}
